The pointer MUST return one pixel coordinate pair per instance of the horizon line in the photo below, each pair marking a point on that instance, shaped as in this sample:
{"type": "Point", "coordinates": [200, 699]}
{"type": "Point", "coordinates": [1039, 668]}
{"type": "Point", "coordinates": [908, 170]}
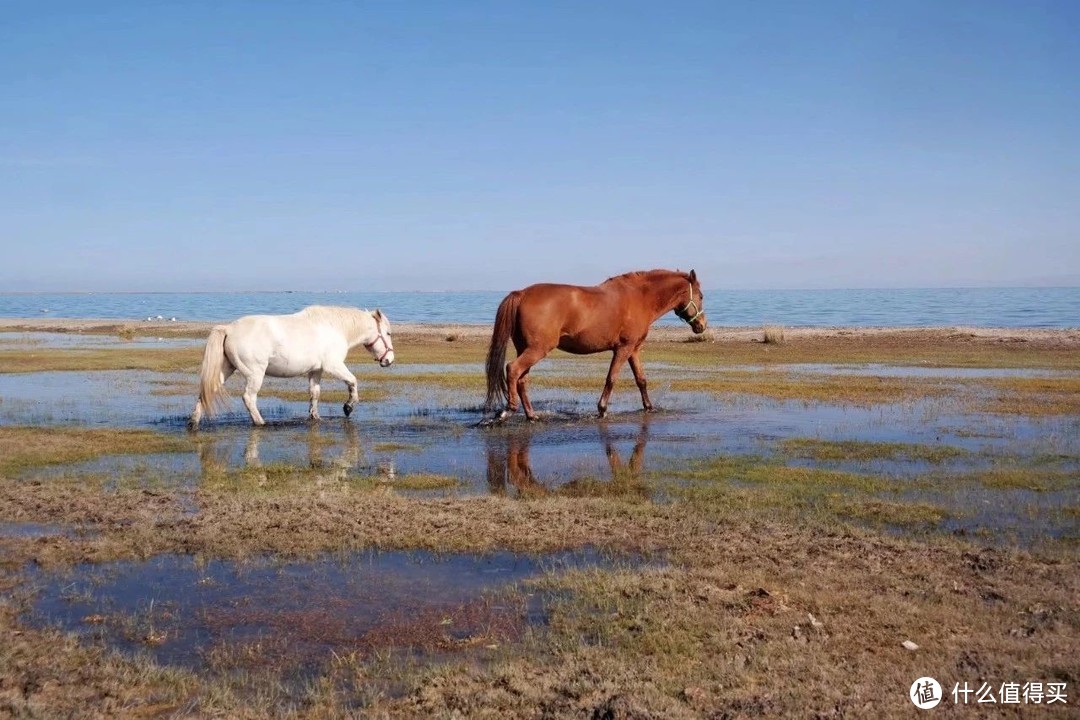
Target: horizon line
{"type": "Point", "coordinates": [449, 290]}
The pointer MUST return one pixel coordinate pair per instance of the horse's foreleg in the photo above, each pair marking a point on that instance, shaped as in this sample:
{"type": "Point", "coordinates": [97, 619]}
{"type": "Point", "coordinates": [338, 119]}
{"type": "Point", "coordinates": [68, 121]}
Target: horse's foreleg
{"type": "Point", "coordinates": [639, 377]}
{"type": "Point", "coordinates": [617, 360]}
{"type": "Point", "coordinates": [340, 371]}
{"type": "Point", "coordinates": [314, 378]}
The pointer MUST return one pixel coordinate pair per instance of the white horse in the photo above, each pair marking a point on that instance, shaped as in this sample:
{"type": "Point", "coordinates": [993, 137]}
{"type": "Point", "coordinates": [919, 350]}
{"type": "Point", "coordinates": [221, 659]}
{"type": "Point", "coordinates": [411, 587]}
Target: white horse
{"type": "Point", "coordinates": [311, 342]}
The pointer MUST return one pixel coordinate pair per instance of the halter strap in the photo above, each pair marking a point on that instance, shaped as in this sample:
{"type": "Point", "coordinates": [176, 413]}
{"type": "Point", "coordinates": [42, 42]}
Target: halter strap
{"type": "Point", "coordinates": [386, 346]}
{"type": "Point", "coordinates": [684, 312]}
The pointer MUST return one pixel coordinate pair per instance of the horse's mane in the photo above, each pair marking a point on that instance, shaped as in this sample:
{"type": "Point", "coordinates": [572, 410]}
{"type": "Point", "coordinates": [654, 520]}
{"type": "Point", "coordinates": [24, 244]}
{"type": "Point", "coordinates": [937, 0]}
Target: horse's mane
{"type": "Point", "coordinates": [346, 318]}
{"type": "Point", "coordinates": [642, 274]}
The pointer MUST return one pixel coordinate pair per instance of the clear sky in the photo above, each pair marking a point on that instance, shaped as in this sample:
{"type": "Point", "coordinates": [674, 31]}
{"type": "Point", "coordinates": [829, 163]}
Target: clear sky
{"type": "Point", "coordinates": [225, 145]}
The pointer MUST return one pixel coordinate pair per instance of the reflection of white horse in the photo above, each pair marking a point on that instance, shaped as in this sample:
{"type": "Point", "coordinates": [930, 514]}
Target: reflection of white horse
{"type": "Point", "coordinates": [311, 342]}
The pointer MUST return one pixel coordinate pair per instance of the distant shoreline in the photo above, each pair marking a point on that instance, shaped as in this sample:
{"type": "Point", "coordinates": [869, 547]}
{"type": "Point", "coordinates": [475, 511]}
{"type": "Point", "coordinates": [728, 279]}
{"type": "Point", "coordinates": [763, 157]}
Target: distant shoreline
{"type": "Point", "coordinates": [473, 332]}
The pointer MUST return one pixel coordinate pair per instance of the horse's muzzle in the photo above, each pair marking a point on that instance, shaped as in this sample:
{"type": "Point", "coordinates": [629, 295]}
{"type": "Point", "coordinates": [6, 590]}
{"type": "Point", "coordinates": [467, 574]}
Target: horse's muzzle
{"type": "Point", "coordinates": [699, 325]}
{"type": "Point", "coordinates": [387, 361]}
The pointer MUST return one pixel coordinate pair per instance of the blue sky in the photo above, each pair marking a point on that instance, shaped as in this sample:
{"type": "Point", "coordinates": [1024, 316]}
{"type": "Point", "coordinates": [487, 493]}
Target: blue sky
{"type": "Point", "coordinates": [488, 145]}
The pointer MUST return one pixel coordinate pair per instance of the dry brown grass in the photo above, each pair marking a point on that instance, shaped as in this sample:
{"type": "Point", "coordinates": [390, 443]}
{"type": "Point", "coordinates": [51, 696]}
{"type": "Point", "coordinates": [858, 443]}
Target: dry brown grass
{"type": "Point", "coordinates": [933, 348]}
{"type": "Point", "coordinates": [753, 549]}
{"type": "Point", "coordinates": [724, 628]}
{"type": "Point", "coordinates": [773, 335]}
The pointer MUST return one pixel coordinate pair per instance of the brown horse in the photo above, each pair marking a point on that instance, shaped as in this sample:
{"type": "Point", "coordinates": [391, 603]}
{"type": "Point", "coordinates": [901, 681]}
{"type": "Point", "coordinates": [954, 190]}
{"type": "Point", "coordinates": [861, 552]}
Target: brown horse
{"type": "Point", "coordinates": [614, 315]}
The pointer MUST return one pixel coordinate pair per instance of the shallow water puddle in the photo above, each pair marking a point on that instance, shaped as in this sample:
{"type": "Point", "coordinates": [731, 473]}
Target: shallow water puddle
{"type": "Point", "coordinates": [291, 616]}
{"type": "Point", "coordinates": [40, 530]}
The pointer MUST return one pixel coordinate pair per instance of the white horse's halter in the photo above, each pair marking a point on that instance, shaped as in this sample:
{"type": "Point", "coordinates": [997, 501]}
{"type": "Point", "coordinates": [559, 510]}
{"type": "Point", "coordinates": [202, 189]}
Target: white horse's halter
{"type": "Point", "coordinates": [386, 346]}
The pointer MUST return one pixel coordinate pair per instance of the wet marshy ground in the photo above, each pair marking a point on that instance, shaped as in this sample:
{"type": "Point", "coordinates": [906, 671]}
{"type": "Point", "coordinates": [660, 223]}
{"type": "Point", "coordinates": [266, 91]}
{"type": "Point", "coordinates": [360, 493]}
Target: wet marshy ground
{"type": "Point", "coordinates": [251, 550]}
{"type": "Point", "coordinates": [293, 616]}
{"type": "Point", "coordinates": [934, 449]}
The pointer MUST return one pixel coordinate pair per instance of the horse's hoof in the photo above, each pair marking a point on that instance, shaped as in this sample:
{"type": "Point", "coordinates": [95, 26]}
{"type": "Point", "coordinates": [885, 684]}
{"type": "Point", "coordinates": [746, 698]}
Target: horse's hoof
{"type": "Point", "coordinates": [495, 420]}
{"type": "Point", "coordinates": [532, 418]}
{"type": "Point", "coordinates": [348, 409]}
{"type": "Point", "coordinates": [314, 418]}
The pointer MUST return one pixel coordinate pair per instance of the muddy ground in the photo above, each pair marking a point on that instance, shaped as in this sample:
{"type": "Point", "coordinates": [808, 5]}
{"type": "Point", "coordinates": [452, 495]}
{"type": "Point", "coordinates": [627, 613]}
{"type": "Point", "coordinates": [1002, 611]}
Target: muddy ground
{"type": "Point", "coordinates": [765, 545]}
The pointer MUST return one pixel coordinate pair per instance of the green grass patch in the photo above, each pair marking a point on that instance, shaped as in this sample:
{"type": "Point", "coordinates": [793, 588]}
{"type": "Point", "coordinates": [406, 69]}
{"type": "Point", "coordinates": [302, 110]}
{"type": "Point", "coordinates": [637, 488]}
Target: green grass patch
{"type": "Point", "coordinates": [826, 450]}
{"type": "Point", "coordinates": [1032, 396]}
{"type": "Point", "coordinates": [25, 447]}
{"type": "Point", "coordinates": [897, 349]}
{"type": "Point", "coordinates": [1036, 479]}
{"type": "Point", "coordinates": [74, 360]}
{"type": "Point", "coordinates": [282, 478]}
{"type": "Point", "coordinates": [886, 512]}
{"type": "Point", "coordinates": [423, 481]}
{"type": "Point", "coordinates": [837, 389]}
{"type": "Point", "coordinates": [622, 487]}
{"type": "Point", "coordinates": [395, 447]}
{"type": "Point", "coordinates": [758, 471]}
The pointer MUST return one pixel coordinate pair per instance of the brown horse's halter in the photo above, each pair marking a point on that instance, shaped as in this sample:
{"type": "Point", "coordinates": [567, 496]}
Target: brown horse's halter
{"type": "Point", "coordinates": [386, 346]}
{"type": "Point", "coordinates": [684, 313]}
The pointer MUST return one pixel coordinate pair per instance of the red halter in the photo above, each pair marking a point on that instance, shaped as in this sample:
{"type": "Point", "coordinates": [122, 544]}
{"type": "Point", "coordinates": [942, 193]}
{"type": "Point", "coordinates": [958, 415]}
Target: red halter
{"type": "Point", "coordinates": [386, 347]}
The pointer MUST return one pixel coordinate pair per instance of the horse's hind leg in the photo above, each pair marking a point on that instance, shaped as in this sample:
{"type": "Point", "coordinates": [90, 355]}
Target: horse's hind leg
{"type": "Point", "coordinates": [516, 371]}
{"type": "Point", "coordinates": [251, 395]}
{"type": "Point", "coordinates": [617, 359]}
{"type": "Point", "coordinates": [227, 370]}
{"type": "Point", "coordinates": [314, 378]}
{"type": "Point", "coordinates": [639, 377]}
{"type": "Point", "coordinates": [196, 416]}
{"type": "Point", "coordinates": [523, 391]}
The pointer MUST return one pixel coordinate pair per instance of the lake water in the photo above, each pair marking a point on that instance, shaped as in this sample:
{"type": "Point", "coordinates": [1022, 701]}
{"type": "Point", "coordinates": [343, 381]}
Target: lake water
{"type": "Point", "coordinates": [981, 307]}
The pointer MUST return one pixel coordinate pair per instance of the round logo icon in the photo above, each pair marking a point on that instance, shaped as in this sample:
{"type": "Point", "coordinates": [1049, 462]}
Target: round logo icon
{"type": "Point", "coordinates": [925, 693]}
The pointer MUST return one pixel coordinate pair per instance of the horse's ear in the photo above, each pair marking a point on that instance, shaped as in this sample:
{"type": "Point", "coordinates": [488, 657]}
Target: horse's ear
{"type": "Point", "coordinates": [377, 314]}
{"type": "Point", "coordinates": [693, 276]}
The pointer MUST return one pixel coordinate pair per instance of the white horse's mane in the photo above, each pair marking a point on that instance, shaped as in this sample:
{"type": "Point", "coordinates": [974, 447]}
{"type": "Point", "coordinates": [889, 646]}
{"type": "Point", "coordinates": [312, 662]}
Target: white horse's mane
{"type": "Point", "coordinates": [351, 321]}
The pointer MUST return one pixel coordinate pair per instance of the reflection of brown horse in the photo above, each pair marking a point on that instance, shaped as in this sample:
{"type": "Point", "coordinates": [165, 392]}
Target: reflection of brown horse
{"type": "Point", "coordinates": [508, 463]}
{"type": "Point", "coordinates": [615, 315]}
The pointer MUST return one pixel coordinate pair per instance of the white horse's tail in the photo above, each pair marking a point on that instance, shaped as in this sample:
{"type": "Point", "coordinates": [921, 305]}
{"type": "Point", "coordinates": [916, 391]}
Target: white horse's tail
{"type": "Point", "coordinates": [212, 393]}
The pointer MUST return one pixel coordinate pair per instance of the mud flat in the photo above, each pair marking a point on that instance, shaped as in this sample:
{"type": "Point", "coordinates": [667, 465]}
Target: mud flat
{"type": "Point", "coordinates": [764, 544]}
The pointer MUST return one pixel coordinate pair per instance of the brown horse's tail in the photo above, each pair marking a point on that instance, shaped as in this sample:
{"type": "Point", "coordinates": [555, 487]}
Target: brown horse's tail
{"type": "Point", "coordinates": [211, 387]}
{"type": "Point", "coordinates": [505, 322]}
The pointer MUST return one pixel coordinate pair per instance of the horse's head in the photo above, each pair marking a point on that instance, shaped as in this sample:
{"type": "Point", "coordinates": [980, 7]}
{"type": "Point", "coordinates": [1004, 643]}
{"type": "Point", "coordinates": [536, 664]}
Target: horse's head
{"type": "Point", "coordinates": [691, 307]}
{"type": "Point", "coordinates": [382, 347]}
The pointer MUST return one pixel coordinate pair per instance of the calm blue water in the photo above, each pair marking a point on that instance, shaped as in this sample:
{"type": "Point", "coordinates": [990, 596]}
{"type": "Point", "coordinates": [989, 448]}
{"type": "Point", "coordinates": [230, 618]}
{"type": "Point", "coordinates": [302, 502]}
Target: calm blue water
{"type": "Point", "coordinates": [985, 307]}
